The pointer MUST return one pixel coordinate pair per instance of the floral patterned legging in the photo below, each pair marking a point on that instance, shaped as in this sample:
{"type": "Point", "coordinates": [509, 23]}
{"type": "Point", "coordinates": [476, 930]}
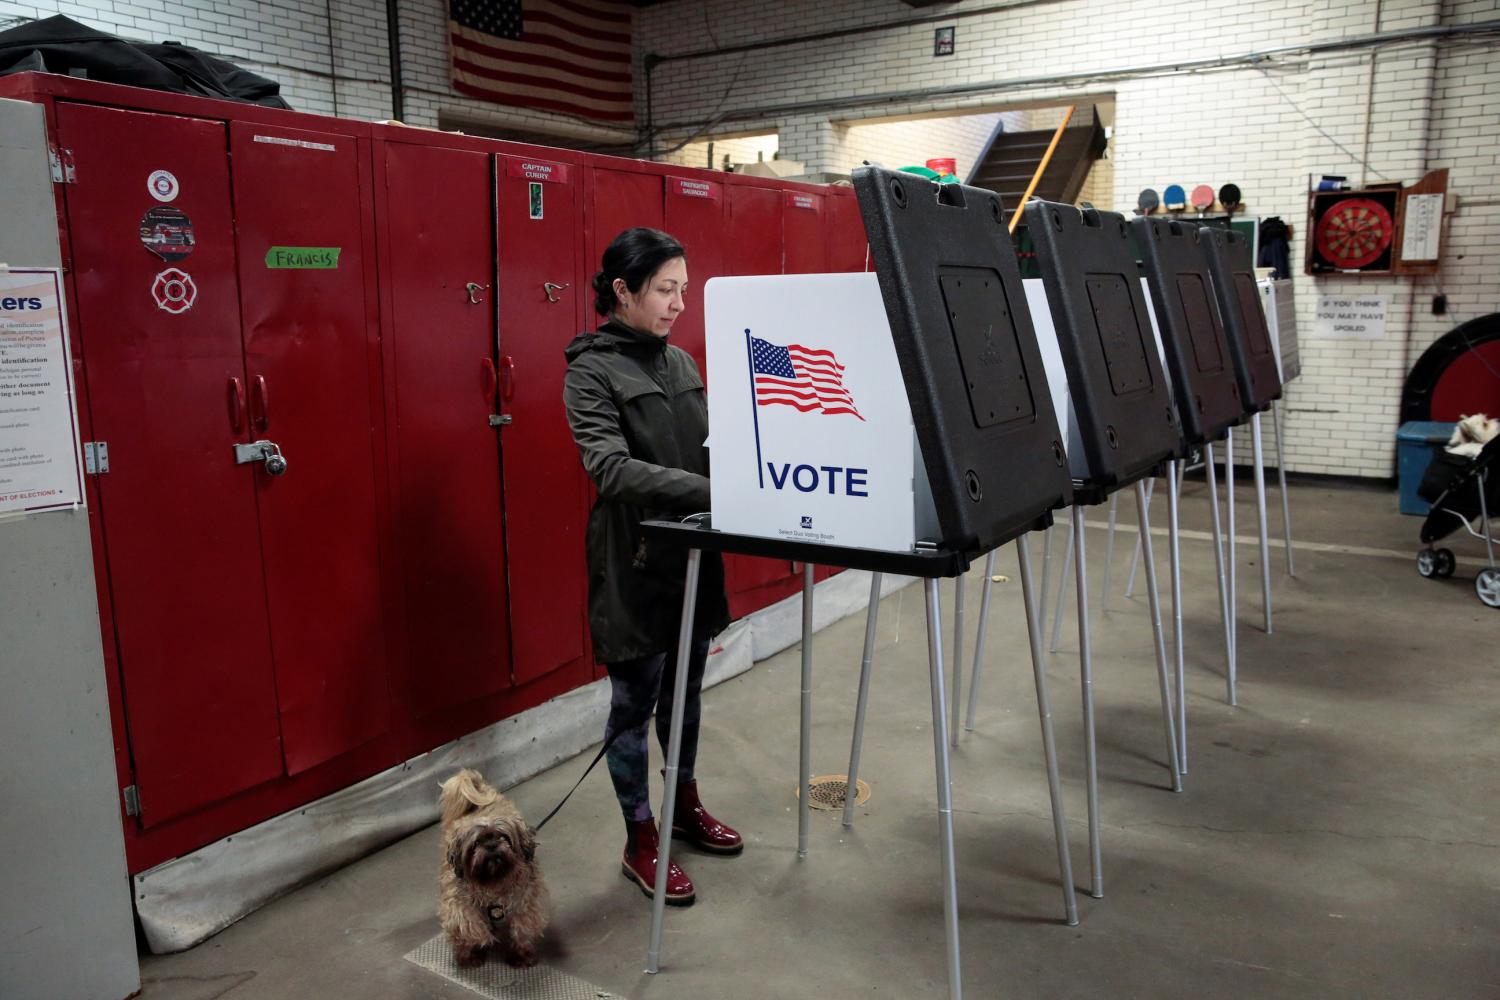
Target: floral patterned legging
{"type": "Point", "coordinates": [637, 687]}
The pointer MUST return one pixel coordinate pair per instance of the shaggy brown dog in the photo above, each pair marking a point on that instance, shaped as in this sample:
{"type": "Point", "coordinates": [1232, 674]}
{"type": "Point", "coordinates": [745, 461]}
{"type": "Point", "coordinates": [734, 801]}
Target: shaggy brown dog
{"type": "Point", "coordinates": [491, 892]}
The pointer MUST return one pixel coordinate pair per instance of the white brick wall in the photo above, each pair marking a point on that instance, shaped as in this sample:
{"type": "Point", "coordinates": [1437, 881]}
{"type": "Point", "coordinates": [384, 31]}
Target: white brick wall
{"type": "Point", "coordinates": [739, 149]}
{"type": "Point", "coordinates": [289, 41]}
{"type": "Point", "coordinates": [1431, 106]}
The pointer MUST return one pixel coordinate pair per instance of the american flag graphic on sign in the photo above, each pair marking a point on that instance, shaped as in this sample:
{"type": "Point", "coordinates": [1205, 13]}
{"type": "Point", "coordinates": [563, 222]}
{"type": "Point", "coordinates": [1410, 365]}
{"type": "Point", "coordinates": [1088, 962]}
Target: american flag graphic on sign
{"type": "Point", "coordinates": [569, 56]}
{"type": "Point", "coordinates": [802, 377]}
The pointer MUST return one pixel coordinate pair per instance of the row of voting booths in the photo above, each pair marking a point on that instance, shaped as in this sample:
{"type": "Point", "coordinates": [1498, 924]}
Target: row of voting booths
{"type": "Point", "coordinates": [917, 419]}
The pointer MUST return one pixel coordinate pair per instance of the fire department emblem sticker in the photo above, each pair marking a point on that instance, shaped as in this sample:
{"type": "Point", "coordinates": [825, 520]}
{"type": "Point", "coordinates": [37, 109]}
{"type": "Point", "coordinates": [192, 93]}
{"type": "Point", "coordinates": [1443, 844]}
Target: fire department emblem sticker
{"type": "Point", "coordinates": [174, 291]}
{"type": "Point", "coordinates": [162, 185]}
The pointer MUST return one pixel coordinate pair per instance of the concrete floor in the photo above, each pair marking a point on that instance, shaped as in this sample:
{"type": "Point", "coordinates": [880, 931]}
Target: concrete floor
{"type": "Point", "coordinates": [1339, 834]}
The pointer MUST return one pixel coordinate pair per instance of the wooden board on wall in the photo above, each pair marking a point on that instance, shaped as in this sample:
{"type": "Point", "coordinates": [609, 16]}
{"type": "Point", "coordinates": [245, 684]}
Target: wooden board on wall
{"type": "Point", "coordinates": [1425, 212]}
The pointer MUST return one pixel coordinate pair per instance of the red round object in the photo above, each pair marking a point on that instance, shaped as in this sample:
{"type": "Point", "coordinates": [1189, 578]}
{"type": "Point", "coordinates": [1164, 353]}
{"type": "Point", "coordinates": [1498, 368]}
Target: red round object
{"type": "Point", "coordinates": [943, 165]}
{"type": "Point", "coordinates": [1354, 232]}
{"type": "Point", "coordinates": [1203, 197]}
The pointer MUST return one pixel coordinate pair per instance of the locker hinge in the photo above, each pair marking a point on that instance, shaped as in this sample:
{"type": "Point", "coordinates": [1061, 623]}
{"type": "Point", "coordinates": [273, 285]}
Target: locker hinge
{"type": "Point", "coordinates": [96, 457]}
{"type": "Point", "coordinates": [132, 800]}
{"type": "Point", "coordinates": [63, 169]}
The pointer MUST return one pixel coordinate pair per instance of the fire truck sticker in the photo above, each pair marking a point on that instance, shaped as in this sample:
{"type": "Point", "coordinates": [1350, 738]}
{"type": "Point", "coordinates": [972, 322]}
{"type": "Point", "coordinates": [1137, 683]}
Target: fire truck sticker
{"type": "Point", "coordinates": [167, 232]}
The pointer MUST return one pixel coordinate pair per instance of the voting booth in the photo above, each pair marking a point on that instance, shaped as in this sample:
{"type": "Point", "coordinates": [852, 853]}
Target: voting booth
{"type": "Point", "coordinates": [897, 425]}
{"type": "Point", "coordinates": [1126, 425]}
{"type": "Point", "coordinates": [1257, 372]}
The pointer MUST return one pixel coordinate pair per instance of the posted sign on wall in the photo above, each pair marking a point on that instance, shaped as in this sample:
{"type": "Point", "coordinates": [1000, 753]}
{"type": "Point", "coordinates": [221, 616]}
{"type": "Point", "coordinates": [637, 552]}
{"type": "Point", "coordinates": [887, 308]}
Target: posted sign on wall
{"type": "Point", "coordinates": [810, 433]}
{"type": "Point", "coordinates": [38, 437]}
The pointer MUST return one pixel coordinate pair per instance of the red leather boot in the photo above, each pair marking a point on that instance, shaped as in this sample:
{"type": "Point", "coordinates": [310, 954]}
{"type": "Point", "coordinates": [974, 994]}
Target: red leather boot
{"type": "Point", "coordinates": [692, 823]}
{"type": "Point", "coordinates": [639, 866]}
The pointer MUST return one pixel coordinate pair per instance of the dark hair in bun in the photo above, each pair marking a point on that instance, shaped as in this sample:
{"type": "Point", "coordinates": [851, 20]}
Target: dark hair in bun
{"type": "Point", "coordinates": [635, 255]}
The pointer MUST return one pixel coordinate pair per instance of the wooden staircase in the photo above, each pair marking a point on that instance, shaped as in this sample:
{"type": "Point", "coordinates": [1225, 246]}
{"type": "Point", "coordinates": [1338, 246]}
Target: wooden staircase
{"type": "Point", "coordinates": [1008, 163]}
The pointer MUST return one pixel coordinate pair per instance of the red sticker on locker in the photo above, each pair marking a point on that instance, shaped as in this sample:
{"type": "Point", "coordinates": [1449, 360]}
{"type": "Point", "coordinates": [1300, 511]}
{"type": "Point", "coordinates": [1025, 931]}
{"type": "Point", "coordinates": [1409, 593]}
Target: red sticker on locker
{"type": "Point", "coordinates": [537, 170]}
{"type": "Point", "coordinates": [811, 202]}
{"type": "Point", "coordinates": [174, 291]}
{"type": "Point", "coordinates": [693, 189]}
{"type": "Point", "coordinates": [167, 232]}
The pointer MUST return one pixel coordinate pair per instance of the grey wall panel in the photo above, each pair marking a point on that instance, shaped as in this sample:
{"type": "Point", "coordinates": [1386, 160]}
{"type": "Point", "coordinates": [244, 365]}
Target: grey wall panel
{"type": "Point", "coordinates": [66, 926]}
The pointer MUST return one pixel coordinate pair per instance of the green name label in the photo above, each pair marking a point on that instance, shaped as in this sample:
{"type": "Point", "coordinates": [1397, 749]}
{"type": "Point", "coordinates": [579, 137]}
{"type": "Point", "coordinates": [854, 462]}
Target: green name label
{"type": "Point", "coordinates": [303, 258]}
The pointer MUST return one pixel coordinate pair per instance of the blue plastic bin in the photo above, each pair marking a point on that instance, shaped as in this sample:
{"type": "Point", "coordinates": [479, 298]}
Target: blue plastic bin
{"type": "Point", "coordinates": [1416, 441]}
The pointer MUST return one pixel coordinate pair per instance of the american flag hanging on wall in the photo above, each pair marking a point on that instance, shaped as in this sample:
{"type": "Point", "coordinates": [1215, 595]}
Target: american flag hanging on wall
{"type": "Point", "coordinates": [567, 56]}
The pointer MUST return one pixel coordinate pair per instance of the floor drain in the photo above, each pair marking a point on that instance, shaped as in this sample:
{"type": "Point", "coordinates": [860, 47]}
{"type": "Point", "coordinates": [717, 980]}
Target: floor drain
{"type": "Point", "coordinates": [828, 792]}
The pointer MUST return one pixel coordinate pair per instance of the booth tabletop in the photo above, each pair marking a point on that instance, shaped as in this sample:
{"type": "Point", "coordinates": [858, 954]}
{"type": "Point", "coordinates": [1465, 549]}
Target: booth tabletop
{"type": "Point", "coordinates": [923, 562]}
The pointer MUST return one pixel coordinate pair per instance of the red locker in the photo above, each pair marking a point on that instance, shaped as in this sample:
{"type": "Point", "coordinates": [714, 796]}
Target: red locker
{"type": "Point", "coordinates": [619, 199]}
{"type": "Point", "coordinates": [164, 388]}
{"type": "Point", "coordinates": [754, 247]}
{"type": "Point", "coordinates": [695, 215]}
{"type": "Point", "coordinates": [439, 253]}
{"type": "Point", "coordinates": [848, 250]}
{"type": "Point", "coordinates": [544, 480]}
{"type": "Point", "coordinates": [804, 227]}
{"type": "Point", "coordinates": [299, 201]}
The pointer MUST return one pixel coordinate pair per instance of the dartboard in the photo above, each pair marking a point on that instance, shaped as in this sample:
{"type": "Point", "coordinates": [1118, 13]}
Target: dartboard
{"type": "Point", "coordinates": [1354, 232]}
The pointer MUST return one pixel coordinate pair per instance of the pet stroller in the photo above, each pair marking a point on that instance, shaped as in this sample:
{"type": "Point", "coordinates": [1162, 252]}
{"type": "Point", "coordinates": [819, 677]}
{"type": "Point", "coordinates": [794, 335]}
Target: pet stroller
{"type": "Point", "coordinates": [1461, 489]}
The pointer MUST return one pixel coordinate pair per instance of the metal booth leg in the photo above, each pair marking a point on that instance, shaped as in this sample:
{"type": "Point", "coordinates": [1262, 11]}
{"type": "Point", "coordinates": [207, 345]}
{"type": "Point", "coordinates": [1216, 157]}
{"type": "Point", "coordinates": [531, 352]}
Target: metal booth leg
{"type": "Point", "coordinates": [804, 765]}
{"type": "Point", "coordinates": [1286, 506]}
{"type": "Point", "coordinates": [851, 790]}
{"type": "Point", "coordinates": [1174, 548]}
{"type": "Point", "coordinates": [1154, 600]}
{"type": "Point", "coordinates": [1062, 589]}
{"type": "Point", "coordinates": [1046, 571]}
{"type": "Point", "coordinates": [1259, 458]}
{"type": "Point", "coordinates": [1231, 542]}
{"type": "Point", "coordinates": [1049, 744]}
{"type": "Point", "coordinates": [984, 619]}
{"type": "Point", "coordinates": [944, 786]}
{"type": "Point", "coordinates": [1086, 672]}
{"type": "Point", "coordinates": [1209, 465]}
{"type": "Point", "coordinates": [674, 754]}
{"type": "Point", "coordinates": [1109, 551]}
{"type": "Point", "coordinates": [1135, 555]}
{"type": "Point", "coordinates": [957, 659]}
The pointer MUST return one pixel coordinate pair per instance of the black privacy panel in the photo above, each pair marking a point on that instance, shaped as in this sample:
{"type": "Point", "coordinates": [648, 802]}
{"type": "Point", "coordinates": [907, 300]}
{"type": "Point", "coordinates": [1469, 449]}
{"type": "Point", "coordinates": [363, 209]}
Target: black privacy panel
{"type": "Point", "coordinates": [1120, 335]}
{"type": "Point", "coordinates": [1126, 422]}
{"type": "Point", "coordinates": [968, 354]}
{"type": "Point", "coordinates": [1193, 339]}
{"type": "Point", "coordinates": [984, 333]}
{"type": "Point", "coordinates": [1244, 319]}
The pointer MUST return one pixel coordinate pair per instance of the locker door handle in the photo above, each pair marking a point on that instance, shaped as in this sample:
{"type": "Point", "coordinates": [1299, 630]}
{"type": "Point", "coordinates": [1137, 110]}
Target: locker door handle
{"type": "Point", "coordinates": [508, 377]}
{"type": "Point", "coordinates": [474, 288]}
{"type": "Point", "coordinates": [551, 286]}
{"type": "Point", "coordinates": [487, 379]}
{"type": "Point", "coordinates": [236, 404]}
{"type": "Point", "coordinates": [260, 402]}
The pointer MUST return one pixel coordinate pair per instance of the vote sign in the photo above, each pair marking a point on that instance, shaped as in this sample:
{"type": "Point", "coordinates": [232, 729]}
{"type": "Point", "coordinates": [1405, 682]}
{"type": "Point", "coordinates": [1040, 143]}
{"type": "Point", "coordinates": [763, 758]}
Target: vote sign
{"type": "Point", "coordinates": [810, 433]}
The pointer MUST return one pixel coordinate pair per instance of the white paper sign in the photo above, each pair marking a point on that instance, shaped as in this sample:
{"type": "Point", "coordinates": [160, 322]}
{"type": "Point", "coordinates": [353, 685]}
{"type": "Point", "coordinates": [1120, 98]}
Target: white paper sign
{"type": "Point", "coordinates": [1350, 317]}
{"type": "Point", "coordinates": [811, 436]}
{"type": "Point", "coordinates": [38, 433]}
{"type": "Point", "coordinates": [1423, 224]}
